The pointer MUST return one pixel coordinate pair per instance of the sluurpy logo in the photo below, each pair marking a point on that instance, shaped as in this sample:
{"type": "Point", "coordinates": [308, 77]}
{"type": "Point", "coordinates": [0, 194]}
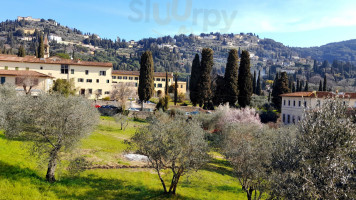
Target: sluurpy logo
{"type": "Point", "coordinates": [188, 18]}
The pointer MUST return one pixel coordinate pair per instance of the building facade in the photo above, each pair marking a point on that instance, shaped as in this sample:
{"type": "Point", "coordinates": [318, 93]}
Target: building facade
{"type": "Point", "coordinates": [91, 79]}
{"type": "Point", "coordinates": [31, 81]}
{"type": "Point", "coordinates": [132, 78]}
{"type": "Point", "coordinates": [294, 104]}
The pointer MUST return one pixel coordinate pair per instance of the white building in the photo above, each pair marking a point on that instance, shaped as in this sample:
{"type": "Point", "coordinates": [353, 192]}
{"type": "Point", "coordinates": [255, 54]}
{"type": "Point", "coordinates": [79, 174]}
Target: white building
{"type": "Point", "coordinates": [55, 38]}
{"type": "Point", "coordinates": [294, 104]}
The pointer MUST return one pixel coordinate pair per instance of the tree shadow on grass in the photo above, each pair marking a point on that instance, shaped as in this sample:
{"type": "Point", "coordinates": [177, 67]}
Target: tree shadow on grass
{"type": "Point", "coordinates": [222, 167]}
{"type": "Point", "coordinates": [89, 187]}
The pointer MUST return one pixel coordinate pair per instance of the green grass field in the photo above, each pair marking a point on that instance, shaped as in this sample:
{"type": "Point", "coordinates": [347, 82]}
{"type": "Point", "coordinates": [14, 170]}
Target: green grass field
{"type": "Point", "coordinates": [21, 178]}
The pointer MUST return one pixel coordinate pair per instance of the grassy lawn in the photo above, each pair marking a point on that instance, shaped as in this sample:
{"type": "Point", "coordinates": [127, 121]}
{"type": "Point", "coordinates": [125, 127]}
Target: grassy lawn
{"type": "Point", "coordinates": [21, 178]}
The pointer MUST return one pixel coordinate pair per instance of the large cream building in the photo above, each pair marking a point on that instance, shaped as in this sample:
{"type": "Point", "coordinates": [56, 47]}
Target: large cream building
{"type": "Point", "coordinates": [132, 77]}
{"type": "Point", "coordinates": [294, 104]}
{"type": "Point", "coordinates": [91, 79]}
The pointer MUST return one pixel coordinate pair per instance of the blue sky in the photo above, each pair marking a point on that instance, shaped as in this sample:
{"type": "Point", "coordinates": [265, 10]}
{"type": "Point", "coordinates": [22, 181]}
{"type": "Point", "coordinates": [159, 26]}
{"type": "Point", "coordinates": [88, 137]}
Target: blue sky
{"type": "Point", "coordinates": [301, 23]}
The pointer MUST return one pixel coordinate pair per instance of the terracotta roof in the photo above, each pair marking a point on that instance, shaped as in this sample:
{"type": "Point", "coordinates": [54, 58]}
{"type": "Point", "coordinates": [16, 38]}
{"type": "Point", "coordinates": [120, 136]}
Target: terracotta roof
{"type": "Point", "coordinates": [319, 94]}
{"type": "Point", "coordinates": [137, 73]}
{"type": "Point", "coordinates": [23, 73]}
{"type": "Point", "coordinates": [51, 60]}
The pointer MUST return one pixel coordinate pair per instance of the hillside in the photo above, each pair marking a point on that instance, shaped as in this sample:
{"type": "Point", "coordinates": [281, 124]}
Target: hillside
{"type": "Point", "coordinates": [176, 53]}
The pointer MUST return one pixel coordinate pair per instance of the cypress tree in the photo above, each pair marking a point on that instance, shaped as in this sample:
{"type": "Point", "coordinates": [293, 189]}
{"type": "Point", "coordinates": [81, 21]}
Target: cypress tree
{"type": "Point", "coordinates": [293, 87]}
{"type": "Point", "coordinates": [231, 77]}
{"type": "Point", "coordinates": [259, 88]}
{"type": "Point", "coordinates": [281, 87]}
{"type": "Point", "coordinates": [204, 90]}
{"type": "Point", "coordinates": [254, 83]}
{"type": "Point", "coordinates": [324, 84]}
{"type": "Point", "coordinates": [306, 89]}
{"type": "Point", "coordinates": [297, 89]}
{"type": "Point", "coordinates": [146, 85]}
{"type": "Point", "coordinates": [244, 80]}
{"type": "Point", "coordinates": [194, 80]}
{"type": "Point", "coordinates": [166, 88]}
{"type": "Point", "coordinates": [21, 52]}
{"type": "Point", "coordinates": [41, 48]}
{"type": "Point", "coordinates": [175, 89]}
{"type": "Point", "coordinates": [320, 86]}
{"type": "Point", "coordinates": [301, 84]}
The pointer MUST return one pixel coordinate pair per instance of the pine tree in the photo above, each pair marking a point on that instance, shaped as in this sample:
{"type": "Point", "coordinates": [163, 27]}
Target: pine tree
{"type": "Point", "coordinates": [231, 77]}
{"type": "Point", "coordinates": [146, 83]}
{"type": "Point", "coordinates": [204, 90]}
{"type": "Point", "coordinates": [306, 89]}
{"type": "Point", "coordinates": [194, 80]}
{"type": "Point", "coordinates": [258, 88]}
{"type": "Point", "coordinates": [280, 87]}
{"type": "Point", "coordinates": [244, 80]}
{"type": "Point", "coordinates": [254, 83]}
{"type": "Point", "coordinates": [324, 84]}
{"type": "Point", "coordinates": [320, 86]}
{"type": "Point", "coordinates": [41, 48]}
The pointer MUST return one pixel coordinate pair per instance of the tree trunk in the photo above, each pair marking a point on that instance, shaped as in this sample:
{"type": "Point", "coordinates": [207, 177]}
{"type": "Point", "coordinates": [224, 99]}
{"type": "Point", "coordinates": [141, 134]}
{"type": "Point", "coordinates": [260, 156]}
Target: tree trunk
{"type": "Point", "coordinates": [162, 181]}
{"type": "Point", "coordinates": [50, 176]}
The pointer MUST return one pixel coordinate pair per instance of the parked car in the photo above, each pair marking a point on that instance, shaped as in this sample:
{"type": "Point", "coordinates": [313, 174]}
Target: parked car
{"type": "Point", "coordinates": [194, 112]}
{"type": "Point", "coordinates": [134, 109]}
{"type": "Point", "coordinates": [97, 106]}
{"type": "Point", "coordinates": [109, 106]}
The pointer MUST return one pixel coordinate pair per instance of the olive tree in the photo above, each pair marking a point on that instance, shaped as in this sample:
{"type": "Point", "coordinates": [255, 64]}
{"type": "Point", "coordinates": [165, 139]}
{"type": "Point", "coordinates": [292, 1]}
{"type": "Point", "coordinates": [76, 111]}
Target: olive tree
{"type": "Point", "coordinates": [122, 119]}
{"type": "Point", "coordinates": [54, 122]}
{"type": "Point", "coordinates": [122, 91]}
{"type": "Point", "coordinates": [172, 143]}
{"type": "Point", "coordinates": [320, 164]}
{"type": "Point", "coordinates": [7, 93]}
{"type": "Point", "coordinates": [247, 146]}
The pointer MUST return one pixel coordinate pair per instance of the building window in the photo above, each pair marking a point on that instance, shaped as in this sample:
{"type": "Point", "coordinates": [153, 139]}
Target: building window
{"type": "Point", "coordinates": [2, 80]}
{"type": "Point", "coordinates": [181, 86]}
{"type": "Point", "coordinates": [318, 103]}
{"type": "Point", "coordinates": [125, 77]}
{"type": "Point", "coordinates": [100, 91]}
{"type": "Point", "coordinates": [97, 80]}
{"type": "Point", "coordinates": [113, 77]}
{"type": "Point", "coordinates": [158, 79]}
{"type": "Point", "coordinates": [27, 68]}
{"type": "Point", "coordinates": [300, 103]}
{"type": "Point", "coordinates": [64, 69]}
{"type": "Point", "coordinates": [163, 79]}
{"type": "Point", "coordinates": [130, 78]}
{"type": "Point", "coordinates": [169, 80]}
{"type": "Point", "coordinates": [102, 73]}
{"type": "Point", "coordinates": [305, 104]}
{"type": "Point", "coordinates": [288, 102]}
{"type": "Point", "coordinates": [288, 119]}
{"type": "Point", "coordinates": [155, 84]}
{"type": "Point", "coordinates": [107, 81]}
{"type": "Point", "coordinates": [16, 68]}
{"type": "Point", "coordinates": [80, 80]}
{"type": "Point", "coordinates": [298, 118]}
{"type": "Point", "coordinates": [294, 103]}
{"type": "Point", "coordinates": [41, 68]}
{"type": "Point", "coordinates": [293, 119]}
{"type": "Point", "coordinates": [90, 91]}
{"type": "Point", "coordinates": [284, 118]}
{"type": "Point", "coordinates": [284, 102]}
{"type": "Point", "coordinates": [107, 92]}
{"type": "Point", "coordinates": [89, 80]}
{"type": "Point", "coordinates": [136, 84]}
{"type": "Point", "coordinates": [159, 85]}
{"type": "Point", "coordinates": [119, 77]}
{"type": "Point", "coordinates": [6, 67]}
{"type": "Point", "coordinates": [136, 78]}
{"type": "Point", "coordinates": [72, 71]}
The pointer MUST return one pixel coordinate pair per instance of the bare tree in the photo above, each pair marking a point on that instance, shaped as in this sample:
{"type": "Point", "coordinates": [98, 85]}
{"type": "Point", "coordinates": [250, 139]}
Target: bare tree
{"type": "Point", "coordinates": [172, 143]}
{"type": "Point", "coordinates": [54, 122]}
{"type": "Point", "coordinates": [247, 147]}
{"type": "Point", "coordinates": [122, 91]}
{"type": "Point", "coordinates": [27, 82]}
{"type": "Point", "coordinates": [123, 120]}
